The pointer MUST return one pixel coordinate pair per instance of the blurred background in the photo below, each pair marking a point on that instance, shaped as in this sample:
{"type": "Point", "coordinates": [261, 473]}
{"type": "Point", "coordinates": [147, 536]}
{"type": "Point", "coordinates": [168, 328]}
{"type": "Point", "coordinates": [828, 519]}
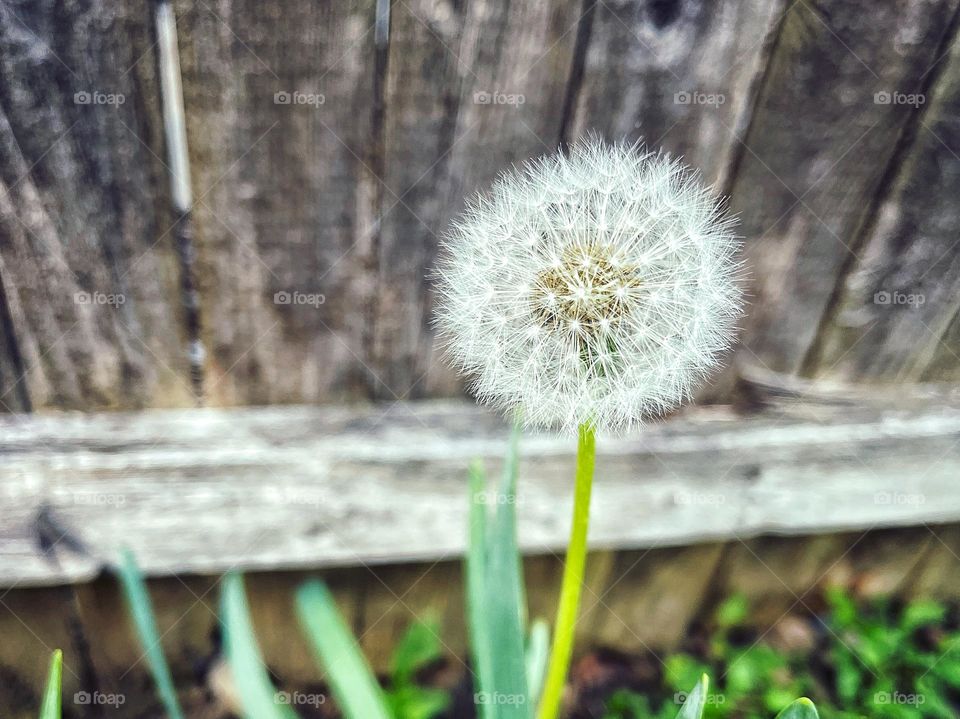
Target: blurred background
{"type": "Point", "coordinates": [217, 225]}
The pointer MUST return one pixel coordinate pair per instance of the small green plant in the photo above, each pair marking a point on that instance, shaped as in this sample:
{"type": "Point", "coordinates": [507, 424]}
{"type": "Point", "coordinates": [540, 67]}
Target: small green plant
{"type": "Point", "coordinates": [693, 705]}
{"type": "Point", "coordinates": [508, 672]}
{"type": "Point", "coordinates": [881, 660]}
{"type": "Point", "coordinates": [51, 707]}
{"type": "Point", "coordinates": [419, 647]}
{"type": "Point", "coordinates": [509, 660]}
{"type": "Point", "coordinates": [893, 662]}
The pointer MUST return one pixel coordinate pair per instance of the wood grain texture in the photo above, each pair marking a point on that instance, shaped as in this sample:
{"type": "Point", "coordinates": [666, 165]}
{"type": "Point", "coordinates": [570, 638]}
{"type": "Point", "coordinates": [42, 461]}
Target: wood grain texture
{"type": "Point", "coordinates": [895, 313]}
{"type": "Point", "coordinates": [882, 563]}
{"type": "Point", "coordinates": [328, 155]}
{"type": "Point", "coordinates": [204, 490]}
{"type": "Point", "coordinates": [651, 597]}
{"type": "Point", "coordinates": [423, 86]}
{"type": "Point", "coordinates": [785, 576]}
{"type": "Point", "coordinates": [818, 147]}
{"type": "Point", "coordinates": [939, 576]}
{"type": "Point", "coordinates": [470, 89]}
{"type": "Point", "coordinates": [89, 272]}
{"type": "Point", "coordinates": [279, 110]}
{"type": "Point", "coordinates": [779, 575]}
{"type": "Point", "coordinates": [678, 75]}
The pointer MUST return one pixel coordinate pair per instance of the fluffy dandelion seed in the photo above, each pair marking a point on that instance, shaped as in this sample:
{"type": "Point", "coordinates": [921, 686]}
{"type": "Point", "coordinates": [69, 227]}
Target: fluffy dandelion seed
{"type": "Point", "coordinates": [599, 287]}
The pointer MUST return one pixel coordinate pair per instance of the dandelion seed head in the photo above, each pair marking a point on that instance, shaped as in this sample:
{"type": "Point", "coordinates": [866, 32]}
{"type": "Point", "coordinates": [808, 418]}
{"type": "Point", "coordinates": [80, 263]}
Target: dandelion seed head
{"type": "Point", "coordinates": [597, 287]}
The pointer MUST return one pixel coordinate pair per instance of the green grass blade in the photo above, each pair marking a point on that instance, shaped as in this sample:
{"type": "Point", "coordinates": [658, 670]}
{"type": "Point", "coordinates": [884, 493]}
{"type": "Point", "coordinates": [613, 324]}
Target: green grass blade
{"type": "Point", "coordinates": [696, 700]}
{"type": "Point", "coordinates": [538, 651]}
{"type": "Point", "coordinates": [257, 693]}
{"type": "Point", "coordinates": [800, 709]}
{"type": "Point", "coordinates": [50, 709]}
{"type": "Point", "coordinates": [353, 684]}
{"type": "Point", "coordinates": [141, 610]}
{"type": "Point", "coordinates": [481, 647]}
{"type": "Point", "coordinates": [504, 601]}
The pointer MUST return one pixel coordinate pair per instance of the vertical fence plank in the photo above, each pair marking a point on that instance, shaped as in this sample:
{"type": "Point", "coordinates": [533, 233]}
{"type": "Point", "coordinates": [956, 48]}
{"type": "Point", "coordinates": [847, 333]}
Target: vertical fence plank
{"type": "Point", "coordinates": [938, 577]}
{"type": "Point", "coordinates": [279, 103]}
{"type": "Point", "coordinates": [470, 90]}
{"type": "Point", "coordinates": [652, 596]}
{"type": "Point", "coordinates": [421, 103]}
{"type": "Point", "coordinates": [778, 574]}
{"type": "Point", "coordinates": [818, 146]}
{"type": "Point", "coordinates": [89, 272]}
{"type": "Point", "coordinates": [678, 75]}
{"type": "Point", "coordinates": [893, 315]}
{"type": "Point", "coordinates": [515, 61]}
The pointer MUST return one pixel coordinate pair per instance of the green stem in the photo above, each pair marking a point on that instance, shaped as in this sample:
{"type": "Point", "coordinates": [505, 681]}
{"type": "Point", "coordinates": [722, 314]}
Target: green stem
{"type": "Point", "coordinates": [572, 577]}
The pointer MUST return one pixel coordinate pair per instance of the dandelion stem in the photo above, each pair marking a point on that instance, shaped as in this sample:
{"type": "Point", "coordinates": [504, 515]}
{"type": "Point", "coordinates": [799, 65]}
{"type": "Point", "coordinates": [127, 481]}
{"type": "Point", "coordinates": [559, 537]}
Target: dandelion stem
{"type": "Point", "coordinates": [572, 576]}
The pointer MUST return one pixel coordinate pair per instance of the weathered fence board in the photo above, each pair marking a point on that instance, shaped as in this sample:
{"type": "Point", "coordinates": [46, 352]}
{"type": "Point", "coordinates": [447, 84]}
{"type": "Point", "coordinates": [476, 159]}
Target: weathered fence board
{"type": "Point", "coordinates": [204, 490]}
{"type": "Point", "coordinates": [470, 90]}
{"type": "Point", "coordinates": [278, 112]}
{"type": "Point", "coordinates": [90, 310]}
{"type": "Point", "coordinates": [679, 76]}
{"type": "Point", "coordinates": [894, 309]}
{"type": "Point", "coordinates": [422, 97]}
{"type": "Point", "coordinates": [818, 147]}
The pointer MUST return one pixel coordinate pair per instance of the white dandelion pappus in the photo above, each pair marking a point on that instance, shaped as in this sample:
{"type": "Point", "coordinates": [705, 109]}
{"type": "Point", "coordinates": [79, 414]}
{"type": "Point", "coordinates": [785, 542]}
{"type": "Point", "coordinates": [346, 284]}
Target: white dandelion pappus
{"type": "Point", "coordinates": [600, 287]}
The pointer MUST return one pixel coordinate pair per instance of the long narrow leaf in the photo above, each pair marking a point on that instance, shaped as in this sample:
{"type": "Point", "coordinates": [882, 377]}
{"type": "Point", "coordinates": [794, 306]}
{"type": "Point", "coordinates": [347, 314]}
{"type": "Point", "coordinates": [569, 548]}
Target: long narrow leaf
{"type": "Point", "coordinates": [480, 640]}
{"type": "Point", "coordinates": [141, 610]}
{"type": "Point", "coordinates": [538, 651]}
{"type": "Point", "coordinates": [354, 685]}
{"type": "Point", "coordinates": [505, 602]}
{"type": "Point", "coordinates": [695, 701]}
{"type": "Point", "coordinates": [508, 502]}
{"type": "Point", "coordinates": [257, 694]}
{"type": "Point", "coordinates": [800, 709]}
{"type": "Point", "coordinates": [50, 709]}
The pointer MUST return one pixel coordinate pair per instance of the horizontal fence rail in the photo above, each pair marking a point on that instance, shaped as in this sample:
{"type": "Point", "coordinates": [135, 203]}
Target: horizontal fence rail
{"type": "Point", "coordinates": [202, 491]}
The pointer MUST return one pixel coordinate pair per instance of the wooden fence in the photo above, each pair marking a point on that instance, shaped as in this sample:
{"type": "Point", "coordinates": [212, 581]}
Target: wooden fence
{"type": "Point", "coordinates": [324, 147]}
{"type": "Point", "coordinates": [830, 128]}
